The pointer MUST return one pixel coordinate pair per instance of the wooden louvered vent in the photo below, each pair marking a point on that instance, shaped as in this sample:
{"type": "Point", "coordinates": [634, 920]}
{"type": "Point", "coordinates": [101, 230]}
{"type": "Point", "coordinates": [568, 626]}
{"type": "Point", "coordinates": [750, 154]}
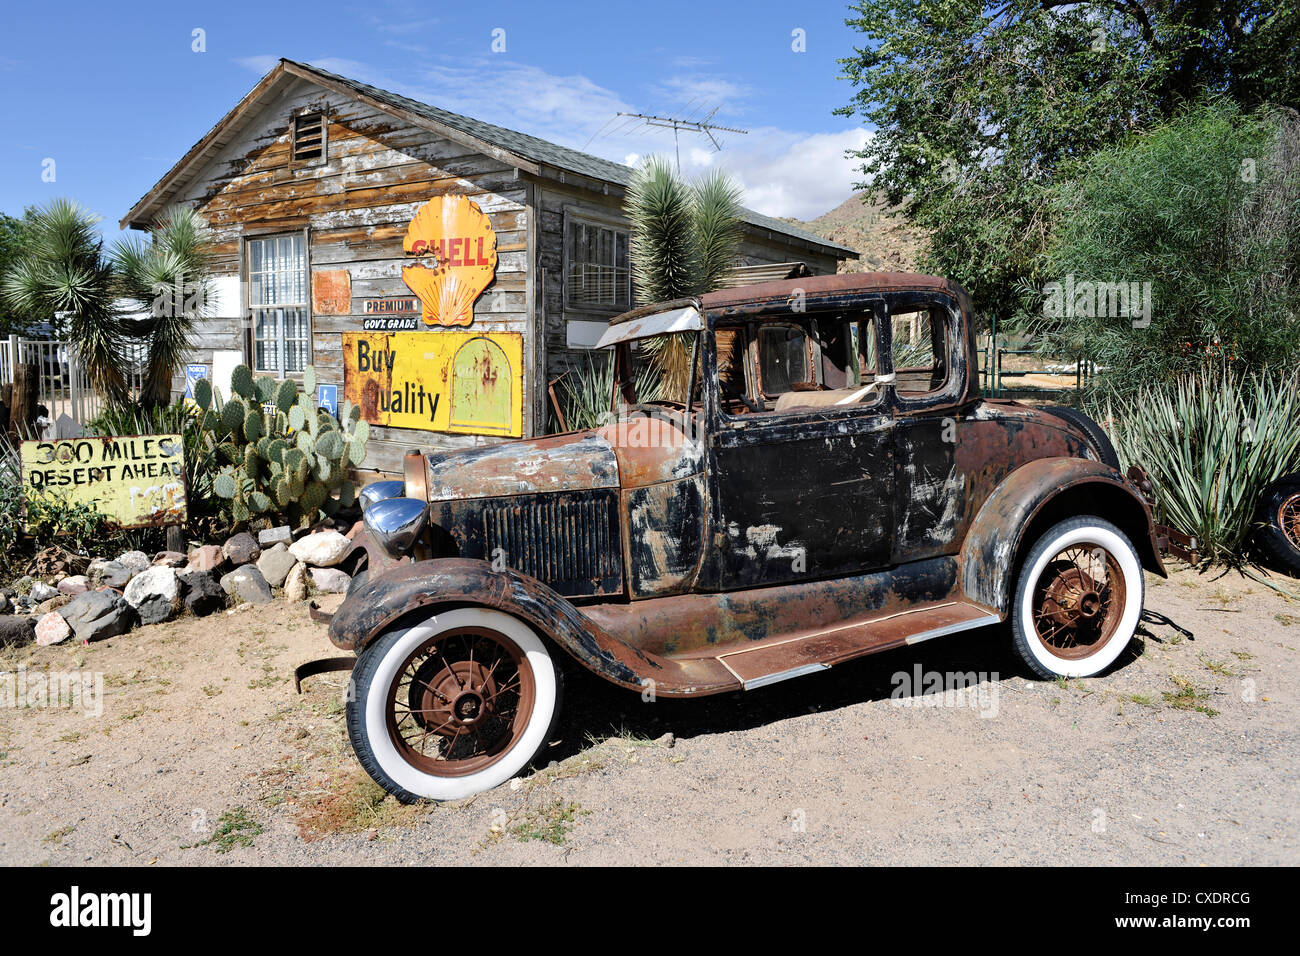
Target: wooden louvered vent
{"type": "Point", "coordinates": [309, 137]}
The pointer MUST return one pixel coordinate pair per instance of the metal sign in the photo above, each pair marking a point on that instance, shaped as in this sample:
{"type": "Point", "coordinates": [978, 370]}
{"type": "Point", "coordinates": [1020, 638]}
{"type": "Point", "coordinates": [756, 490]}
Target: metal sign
{"type": "Point", "coordinates": [192, 375]}
{"type": "Point", "coordinates": [391, 315]}
{"type": "Point", "coordinates": [457, 239]}
{"type": "Point", "coordinates": [460, 382]}
{"type": "Point", "coordinates": [135, 481]}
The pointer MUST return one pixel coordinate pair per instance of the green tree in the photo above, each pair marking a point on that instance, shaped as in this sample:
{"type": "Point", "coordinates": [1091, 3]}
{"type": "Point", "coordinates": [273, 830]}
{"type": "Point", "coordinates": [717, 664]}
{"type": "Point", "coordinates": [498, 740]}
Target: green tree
{"type": "Point", "coordinates": [979, 109]}
{"type": "Point", "coordinates": [63, 271]}
{"type": "Point", "coordinates": [683, 240]}
{"type": "Point", "coordinates": [14, 234]}
{"type": "Point", "coordinates": [1204, 212]}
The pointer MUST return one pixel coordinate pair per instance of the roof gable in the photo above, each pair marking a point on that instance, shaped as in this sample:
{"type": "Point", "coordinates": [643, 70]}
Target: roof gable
{"type": "Point", "coordinates": [534, 155]}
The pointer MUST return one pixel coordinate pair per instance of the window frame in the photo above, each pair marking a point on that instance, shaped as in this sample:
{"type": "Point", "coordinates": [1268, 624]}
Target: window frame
{"type": "Point", "coordinates": [950, 393]}
{"type": "Point", "coordinates": [250, 310]}
{"type": "Point", "coordinates": [574, 217]}
{"type": "Point", "coordinates": [881, 404]}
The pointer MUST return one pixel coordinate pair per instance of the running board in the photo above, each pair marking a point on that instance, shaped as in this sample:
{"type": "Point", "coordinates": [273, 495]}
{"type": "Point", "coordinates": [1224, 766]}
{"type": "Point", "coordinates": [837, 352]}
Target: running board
{"type": "Point", "coordinates": [780, 660]}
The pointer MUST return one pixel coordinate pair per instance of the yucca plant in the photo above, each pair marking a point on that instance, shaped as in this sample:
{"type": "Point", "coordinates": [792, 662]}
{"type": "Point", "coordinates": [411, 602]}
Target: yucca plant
{"type": "Point", "coordinates": [683, 241]}
{"type": "Point", "coordinates": [63, 270]}
{"type": "Point", "coordinates": [169, 276]}
{"type": "Point", "coordinates": [1212, 442]}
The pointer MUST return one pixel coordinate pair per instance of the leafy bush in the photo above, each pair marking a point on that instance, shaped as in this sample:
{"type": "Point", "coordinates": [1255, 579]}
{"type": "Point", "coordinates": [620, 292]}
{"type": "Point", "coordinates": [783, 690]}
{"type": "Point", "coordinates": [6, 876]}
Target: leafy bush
{"type": "Point", "coordinates": [1211, 442]}
{"type": "Point", "coordinates": [1206, 210]}
{"type": "Point", "coordinates": [279, 454]}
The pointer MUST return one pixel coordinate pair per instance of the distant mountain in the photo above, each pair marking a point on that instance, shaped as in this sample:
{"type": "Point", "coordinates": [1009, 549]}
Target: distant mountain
{"type": "Point", "coordinates": [886, 242]}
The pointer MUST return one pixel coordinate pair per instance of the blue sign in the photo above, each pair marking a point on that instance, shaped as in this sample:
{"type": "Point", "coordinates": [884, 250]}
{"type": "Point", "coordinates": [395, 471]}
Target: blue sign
{"type": "Point", "coordinates": [327, 397]}
{"type": "Point", "coordinates": [192, 375]}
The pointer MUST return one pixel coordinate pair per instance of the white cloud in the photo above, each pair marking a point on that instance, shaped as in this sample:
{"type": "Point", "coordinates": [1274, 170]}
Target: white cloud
{"type": "Point", "coordinates": [794, 173]}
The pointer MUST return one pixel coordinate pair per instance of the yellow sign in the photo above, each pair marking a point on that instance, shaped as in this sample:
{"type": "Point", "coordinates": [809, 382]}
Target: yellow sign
{"type": "Point", "coordinates": [460, 382]}
{"type": "Point", "coordinates": [135, 481]}
{"type": "Point", "coordinates": [456, 235]}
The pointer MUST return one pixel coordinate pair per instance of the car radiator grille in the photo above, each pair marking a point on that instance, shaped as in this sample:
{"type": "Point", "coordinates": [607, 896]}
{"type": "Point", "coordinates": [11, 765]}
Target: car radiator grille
{"type": "Point", "coordinates": [569, 543]}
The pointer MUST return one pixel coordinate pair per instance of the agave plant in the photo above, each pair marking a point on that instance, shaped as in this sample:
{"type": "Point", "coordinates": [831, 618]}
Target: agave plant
{"type": "Point", "coordinates": [1211, 442]}
{"type": "Point", "coordinates": [683, 241]}
{"type": "Point", "coordinates": [586, 392]}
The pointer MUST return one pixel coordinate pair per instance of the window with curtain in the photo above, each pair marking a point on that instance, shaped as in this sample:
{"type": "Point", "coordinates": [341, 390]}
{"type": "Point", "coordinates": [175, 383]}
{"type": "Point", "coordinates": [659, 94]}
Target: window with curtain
{"type": "Point", "coordinates": [277, 298]}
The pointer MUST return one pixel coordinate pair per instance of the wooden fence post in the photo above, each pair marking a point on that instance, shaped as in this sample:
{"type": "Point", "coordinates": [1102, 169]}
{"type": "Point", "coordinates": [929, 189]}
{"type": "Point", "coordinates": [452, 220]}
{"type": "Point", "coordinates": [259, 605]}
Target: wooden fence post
{"type": "Point", "coordinates": [22, 410]}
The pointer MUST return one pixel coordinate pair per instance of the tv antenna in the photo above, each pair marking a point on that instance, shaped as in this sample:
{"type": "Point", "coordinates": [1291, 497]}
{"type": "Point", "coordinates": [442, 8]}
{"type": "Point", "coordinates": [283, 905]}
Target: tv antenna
{"type": "Point", "coordinates": [676, 124]}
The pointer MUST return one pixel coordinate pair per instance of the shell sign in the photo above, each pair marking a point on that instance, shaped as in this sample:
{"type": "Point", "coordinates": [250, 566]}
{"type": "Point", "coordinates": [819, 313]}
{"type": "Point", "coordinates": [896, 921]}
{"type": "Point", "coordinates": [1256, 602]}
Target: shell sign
{"type": "Point", "coordinates": [456, 234]}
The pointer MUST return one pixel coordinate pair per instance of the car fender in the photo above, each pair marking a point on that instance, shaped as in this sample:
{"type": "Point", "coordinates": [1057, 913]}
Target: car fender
{"type": "Point", "coordinates": [1040, 490]}
{"type": "Point", "coordinates": [444, 583]}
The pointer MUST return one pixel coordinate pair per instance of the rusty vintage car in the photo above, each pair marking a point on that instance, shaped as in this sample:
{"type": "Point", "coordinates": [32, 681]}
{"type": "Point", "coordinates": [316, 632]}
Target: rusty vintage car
{"type": "Point", "coordinates": [827, 483]}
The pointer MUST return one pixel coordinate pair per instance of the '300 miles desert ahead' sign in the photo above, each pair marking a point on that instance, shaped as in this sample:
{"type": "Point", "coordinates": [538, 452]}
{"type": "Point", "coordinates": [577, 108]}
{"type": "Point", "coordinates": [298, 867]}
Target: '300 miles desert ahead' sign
{"type": "Point", "coordinates": [134, 481]}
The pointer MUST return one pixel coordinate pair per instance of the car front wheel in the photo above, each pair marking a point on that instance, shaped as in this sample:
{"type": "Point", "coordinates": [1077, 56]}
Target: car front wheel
{"type": "Point", "coordinates": [452, 705]}
{"type": "Point", "coordinates": [1078, 599]}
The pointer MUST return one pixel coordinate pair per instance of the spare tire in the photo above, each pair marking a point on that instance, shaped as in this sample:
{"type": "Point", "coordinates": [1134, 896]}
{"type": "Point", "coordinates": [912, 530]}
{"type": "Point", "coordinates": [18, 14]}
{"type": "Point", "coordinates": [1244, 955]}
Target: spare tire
{"type": "Point", "coordinates": [1279, 513]}
{"type": "Point", "coordinates": [1100, 440]}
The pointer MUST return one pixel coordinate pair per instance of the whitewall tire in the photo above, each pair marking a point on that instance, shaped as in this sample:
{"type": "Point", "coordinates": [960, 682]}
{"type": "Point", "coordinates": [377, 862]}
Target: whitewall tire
{"type": "Point", "coordinates": [452, 705]}
{"type": "Point", "coordinates": [1078, 599]}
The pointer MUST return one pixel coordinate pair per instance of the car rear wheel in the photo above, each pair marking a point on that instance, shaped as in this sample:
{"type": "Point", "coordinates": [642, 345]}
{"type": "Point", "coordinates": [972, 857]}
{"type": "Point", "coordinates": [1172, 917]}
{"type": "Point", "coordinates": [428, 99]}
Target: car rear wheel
{"type": "Point", "coordinates": [452, 705]}
{"type": "Point", "coordinates": [1279, 537]}
{"type": "Point", "coordinates": [1078, 599]}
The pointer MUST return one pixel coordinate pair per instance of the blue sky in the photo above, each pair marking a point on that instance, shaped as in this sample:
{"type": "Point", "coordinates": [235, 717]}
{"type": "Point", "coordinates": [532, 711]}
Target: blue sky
{"type": "Point", "coordinates": [115, 94]}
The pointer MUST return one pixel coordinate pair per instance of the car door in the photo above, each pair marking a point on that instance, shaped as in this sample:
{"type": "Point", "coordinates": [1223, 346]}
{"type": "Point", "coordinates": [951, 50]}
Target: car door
{"type": "Point", "coordinates": [931, 485]}
{"type": "Point", "coordinates": [802, 491]}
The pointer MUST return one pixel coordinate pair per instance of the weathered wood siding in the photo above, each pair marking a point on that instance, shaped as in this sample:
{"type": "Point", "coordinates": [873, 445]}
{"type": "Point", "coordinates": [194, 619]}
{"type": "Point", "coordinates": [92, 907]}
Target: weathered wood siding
{"type": "Point", "coordinates": [355, 208]}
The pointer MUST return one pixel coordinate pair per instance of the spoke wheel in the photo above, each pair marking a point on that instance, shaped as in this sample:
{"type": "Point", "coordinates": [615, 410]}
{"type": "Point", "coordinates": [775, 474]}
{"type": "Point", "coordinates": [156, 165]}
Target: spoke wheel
{"type": "Point", "coordinates": [460, 701]}
{"type": "Point", "coordinates": [1288, 519]}
{"type": "Point", "coordinates": [453, 703]}
{"type": "Point", "coordinates": [1077, 598]}
{"type": "Point", "coordinates": [1078, 601]}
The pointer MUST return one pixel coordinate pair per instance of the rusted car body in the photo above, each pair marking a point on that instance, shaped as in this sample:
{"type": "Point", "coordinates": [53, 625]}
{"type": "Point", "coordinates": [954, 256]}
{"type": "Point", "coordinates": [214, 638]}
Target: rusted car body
{"type": "Point", "coordinates": [809, 501]}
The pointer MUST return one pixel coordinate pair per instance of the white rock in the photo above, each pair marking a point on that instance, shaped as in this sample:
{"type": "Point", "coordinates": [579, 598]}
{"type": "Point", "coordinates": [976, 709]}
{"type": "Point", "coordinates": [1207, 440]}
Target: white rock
{"type": "Point", "coordinates": [322, 549]}
{"type": "Point", "coordinates": [295, 585]}
{"type": "Point", "coordinates": [330, 580]}
{"type": "Point", "coordinates": [154, 593]}
{"type": "Point", "coordinates": [137, 561]}
{"type": "Point", "coordinates": [52, 629]}
{"type": "Point", "coordinates": [42, 592]}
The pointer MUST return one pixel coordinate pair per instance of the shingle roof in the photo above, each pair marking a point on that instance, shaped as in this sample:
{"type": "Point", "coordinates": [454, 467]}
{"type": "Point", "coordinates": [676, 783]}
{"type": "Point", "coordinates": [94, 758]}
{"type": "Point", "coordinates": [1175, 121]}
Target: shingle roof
{"type": "Point", "coordinates": [546, 152]}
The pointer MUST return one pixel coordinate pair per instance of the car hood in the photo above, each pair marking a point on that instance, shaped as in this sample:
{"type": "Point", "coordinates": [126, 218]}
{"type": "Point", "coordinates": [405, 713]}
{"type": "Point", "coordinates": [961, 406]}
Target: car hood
{"type": "Point", "coordinates": [569, 462]}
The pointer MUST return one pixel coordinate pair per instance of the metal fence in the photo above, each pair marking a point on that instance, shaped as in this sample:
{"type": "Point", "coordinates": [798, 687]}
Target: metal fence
{"type": "Point", "coordinates": [64, 387]}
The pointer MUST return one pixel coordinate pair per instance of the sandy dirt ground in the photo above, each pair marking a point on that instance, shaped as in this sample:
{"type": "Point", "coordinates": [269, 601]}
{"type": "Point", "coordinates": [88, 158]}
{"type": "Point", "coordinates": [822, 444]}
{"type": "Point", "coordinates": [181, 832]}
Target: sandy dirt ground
{"type": "Point", "coordinates": [1185, 753]}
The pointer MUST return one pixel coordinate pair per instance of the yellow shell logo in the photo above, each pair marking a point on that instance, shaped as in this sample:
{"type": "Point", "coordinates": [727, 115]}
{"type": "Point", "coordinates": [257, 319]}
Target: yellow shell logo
{"type": "Point", "coordinates": [458, 237]}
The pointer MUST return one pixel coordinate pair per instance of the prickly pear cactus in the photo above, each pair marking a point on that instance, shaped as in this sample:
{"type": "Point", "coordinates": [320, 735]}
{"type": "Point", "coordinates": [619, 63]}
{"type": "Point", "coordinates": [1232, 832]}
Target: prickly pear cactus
{"type": "Point", "coordinates": [279, 453]}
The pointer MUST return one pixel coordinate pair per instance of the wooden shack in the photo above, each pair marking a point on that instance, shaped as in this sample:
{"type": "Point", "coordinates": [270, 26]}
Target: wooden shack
{"type": "Point", "coordinates": [437, 269]}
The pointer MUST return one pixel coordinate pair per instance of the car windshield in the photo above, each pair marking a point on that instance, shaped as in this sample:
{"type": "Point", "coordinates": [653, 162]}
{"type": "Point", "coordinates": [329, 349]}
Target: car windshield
{"type": "Point", "coordinates": [658, 349]}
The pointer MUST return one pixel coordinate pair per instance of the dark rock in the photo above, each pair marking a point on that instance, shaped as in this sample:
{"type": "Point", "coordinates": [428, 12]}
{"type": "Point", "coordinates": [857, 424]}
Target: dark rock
{"type": "Point", "coordinates": [241, 549]}
{"type": "Point", "coordinates": [114, 574]}
{"type": "Point", "coordinates": [98, 614]}
{"type": "Point", "coordinates": [201, 592]}
{"type": "Point", "coordinates": [16, 630]}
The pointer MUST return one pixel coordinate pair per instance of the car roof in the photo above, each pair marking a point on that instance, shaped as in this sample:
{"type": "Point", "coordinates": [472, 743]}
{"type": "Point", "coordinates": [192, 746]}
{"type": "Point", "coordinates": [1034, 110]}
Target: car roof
{"type": "Point", "coordinates": [745, 298]}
